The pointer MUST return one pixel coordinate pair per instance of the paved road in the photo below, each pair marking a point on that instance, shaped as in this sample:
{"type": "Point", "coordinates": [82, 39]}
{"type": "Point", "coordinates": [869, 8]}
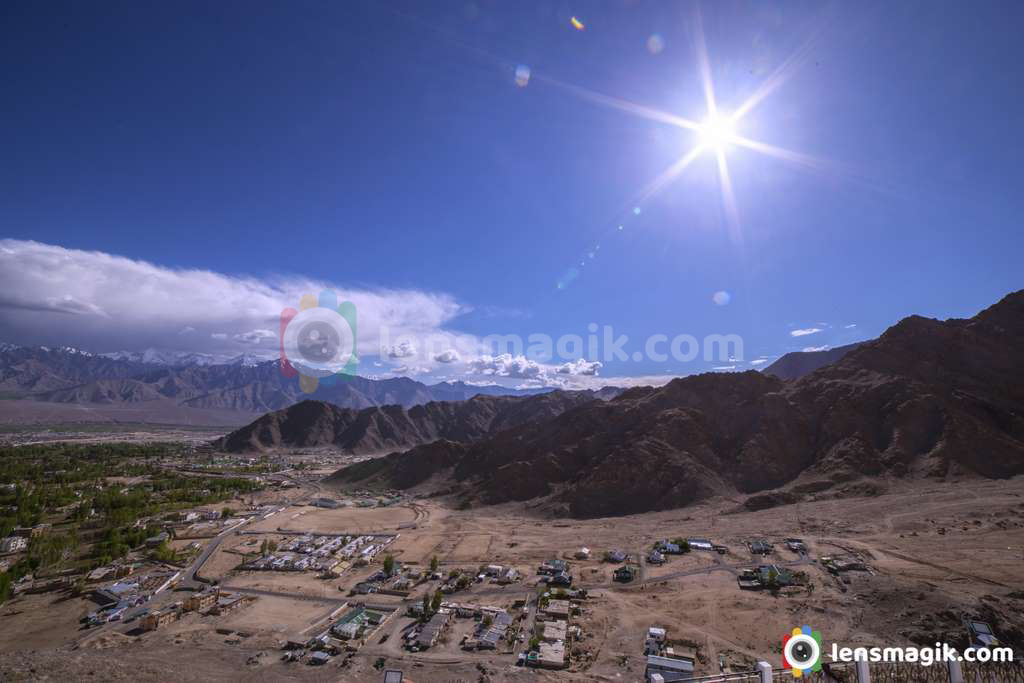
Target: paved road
{"type": "Point", "coordinates": [191, 580]}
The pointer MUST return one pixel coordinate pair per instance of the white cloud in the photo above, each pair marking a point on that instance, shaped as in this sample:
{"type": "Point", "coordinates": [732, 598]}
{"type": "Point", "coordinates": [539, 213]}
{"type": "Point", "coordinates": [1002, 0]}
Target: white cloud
{"type": "Point", "coordinates": [580, 366]}
{"type": "Point", "coordinates": [577, 374]}
{"type": "Point", "coordinates": [403, 349]}
{"type": "Point", "coordinates": [850, 326]}
{"type": "Point", "coordinates": [804, 332]}
{"type": "Point", "coordinates": [759, 361]}
{"type": "Point", "coordinates": [721, 368]}
{"type": "Point", "coordinates": [410, 370]}
{"type": "Point", "coordinates": [815, 348]}
{"type": "Point", "coordinates": [507, 365]}
{"type": "Point", "coordinates": [103, 302]}
{"type": "Point", "coordinates": [448, 356]}
{"type": "Point", "coordinates": [255, 336]}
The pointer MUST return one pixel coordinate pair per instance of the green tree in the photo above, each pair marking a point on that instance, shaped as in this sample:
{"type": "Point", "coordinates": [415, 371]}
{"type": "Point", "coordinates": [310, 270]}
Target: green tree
{"type": "Point", "coordinates": [226, 512]}
{"type": "Point", "coordinates": [389, 564]}
{"type": "Point", "coordinates": [426, 604]}
{"type": "Point", "coordinates": [6, 589]}
{"type": "Point", "coordinates": [435, 602]}
{"type": "Point", "coordinates": [433, 563]}
{"type": "Point", "coordinates": [164, 553]}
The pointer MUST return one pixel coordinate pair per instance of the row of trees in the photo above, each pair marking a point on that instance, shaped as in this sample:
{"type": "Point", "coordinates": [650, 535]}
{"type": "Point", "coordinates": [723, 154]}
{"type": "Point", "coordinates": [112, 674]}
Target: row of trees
{"type": "Point", "coordinates": [43, 552]}
{"type": "Point", "coordinates": [431, 604]}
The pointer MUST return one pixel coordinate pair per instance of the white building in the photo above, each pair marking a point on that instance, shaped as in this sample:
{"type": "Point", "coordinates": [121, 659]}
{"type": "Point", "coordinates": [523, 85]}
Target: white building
{"type": "Point", "coordinates": [13, 544]}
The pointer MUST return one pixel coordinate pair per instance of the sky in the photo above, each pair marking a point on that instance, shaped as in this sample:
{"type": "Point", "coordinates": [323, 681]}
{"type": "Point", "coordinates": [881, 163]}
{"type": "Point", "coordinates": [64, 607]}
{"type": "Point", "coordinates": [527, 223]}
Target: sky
{"type": "Point", "coordinates": [175, 174]}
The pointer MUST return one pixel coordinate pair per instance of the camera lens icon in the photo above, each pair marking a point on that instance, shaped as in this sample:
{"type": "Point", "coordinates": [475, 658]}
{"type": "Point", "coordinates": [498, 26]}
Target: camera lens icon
{"type": "Point", "coordinates": [801, 651]}
{"type": "Point", "coordinates": [318, 342]}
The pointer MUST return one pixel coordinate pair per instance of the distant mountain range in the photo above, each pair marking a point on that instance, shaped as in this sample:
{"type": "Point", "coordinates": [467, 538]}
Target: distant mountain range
{"type": "Point", "coordinates": [796, 364]}
{"type": "Point", "coordinates": [244, 384]}
{"type": "Point", "coordinates": [929, 398]}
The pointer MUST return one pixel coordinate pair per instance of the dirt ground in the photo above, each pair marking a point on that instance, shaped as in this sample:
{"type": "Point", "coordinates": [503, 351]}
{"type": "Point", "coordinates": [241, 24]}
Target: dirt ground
{"type": "Point", "coordinates": [339, 520]}
{"type": "Point", "coordinates": [937, 552]}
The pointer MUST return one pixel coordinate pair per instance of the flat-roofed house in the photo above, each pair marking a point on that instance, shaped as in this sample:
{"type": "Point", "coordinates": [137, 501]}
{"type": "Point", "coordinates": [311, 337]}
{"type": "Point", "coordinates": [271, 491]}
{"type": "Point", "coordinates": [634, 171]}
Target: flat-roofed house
{"type": "Point", "coordinates": [669, 669]}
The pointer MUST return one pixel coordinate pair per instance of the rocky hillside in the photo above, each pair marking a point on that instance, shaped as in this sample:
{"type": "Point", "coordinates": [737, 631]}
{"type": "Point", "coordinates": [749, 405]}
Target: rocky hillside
{"type": "Point", "coordinates": [928, 398]}
{"type": "Point", "coordinates": [796, 364]}
{"type": "Point", "coordinates": [384, 428]}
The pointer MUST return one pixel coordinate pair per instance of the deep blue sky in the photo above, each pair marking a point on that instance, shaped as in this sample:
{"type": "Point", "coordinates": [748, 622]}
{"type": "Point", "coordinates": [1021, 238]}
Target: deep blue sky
{"type": "Point", "coordinates": [388, 145]}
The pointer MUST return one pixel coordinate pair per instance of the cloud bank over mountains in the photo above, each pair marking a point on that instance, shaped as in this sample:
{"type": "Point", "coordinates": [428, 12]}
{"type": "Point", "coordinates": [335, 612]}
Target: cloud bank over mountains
{"type": "Point", "coordinates": [52, 295]}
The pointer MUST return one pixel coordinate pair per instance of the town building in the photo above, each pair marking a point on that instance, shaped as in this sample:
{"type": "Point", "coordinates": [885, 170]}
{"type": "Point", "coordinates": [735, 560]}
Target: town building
{"type": "Point", "coordinates": [200, 601]}
{"type": "Point", "coordinates": [432, 630]}
{"type": "Point", "coordinates": [551, 655]}
{"type": "Point", "coordinates": [554, 567]}
{"type": "Point", "coordinates": [552, 631]}
{"type": "Point", "coordinates": [228, 601]}
{"type": "Point", "coordinates": [796, 545]}
{"type": "Point", "coordinates": [558, 609]}
{"type": "Point", "coordinates": [562, 578]}
{"type": "Point", "coordinates": [13, 544]}
{"type": "Point", "coordinates": [625, 573]}
{"type": "Point", "coordinates": [159, 619]}
{"type": "Point", "coordinates": [669, 547]}
{"type": "Point", "coordinates": [615, 556]}
{"type": "Point", "coordinates": [510, 575]}
{"type": "Point", "coordinates": [667, 669]}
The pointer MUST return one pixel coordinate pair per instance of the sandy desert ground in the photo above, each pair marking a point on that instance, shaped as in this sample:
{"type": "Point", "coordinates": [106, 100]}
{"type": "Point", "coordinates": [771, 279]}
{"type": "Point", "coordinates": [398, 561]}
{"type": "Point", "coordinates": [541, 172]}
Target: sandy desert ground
{"type": "Point", "coordinates": [937, 552]}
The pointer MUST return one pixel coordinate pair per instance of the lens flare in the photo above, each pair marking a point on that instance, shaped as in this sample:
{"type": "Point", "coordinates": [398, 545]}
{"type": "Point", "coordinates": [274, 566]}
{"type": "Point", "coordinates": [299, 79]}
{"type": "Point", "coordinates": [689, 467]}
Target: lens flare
{"type": "Point", "coordinates": [522, 75]}
{"type": "Point", "coordinates": [577, 24]}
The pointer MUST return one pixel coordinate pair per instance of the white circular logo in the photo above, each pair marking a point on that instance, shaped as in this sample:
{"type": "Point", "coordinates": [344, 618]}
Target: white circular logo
{"type": "Point", "coordinates": [802, 651]}
{"type": "Point", "coordinates": [318, 342]}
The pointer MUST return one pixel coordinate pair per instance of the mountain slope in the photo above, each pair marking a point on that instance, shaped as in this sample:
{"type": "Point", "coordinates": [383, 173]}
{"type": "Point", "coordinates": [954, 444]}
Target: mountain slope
{"type": "Point", "coordinates": [928, 398]}
{"type": "Point", "coordinates": [383, 428]}
{"type": "Point", "coordinates": [796, 364]}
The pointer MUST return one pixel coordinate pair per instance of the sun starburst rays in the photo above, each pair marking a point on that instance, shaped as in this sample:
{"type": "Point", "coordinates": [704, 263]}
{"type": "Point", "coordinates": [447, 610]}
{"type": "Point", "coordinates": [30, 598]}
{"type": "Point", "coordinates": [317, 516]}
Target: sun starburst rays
{"type": "Point", "coordinates": [717, 131]}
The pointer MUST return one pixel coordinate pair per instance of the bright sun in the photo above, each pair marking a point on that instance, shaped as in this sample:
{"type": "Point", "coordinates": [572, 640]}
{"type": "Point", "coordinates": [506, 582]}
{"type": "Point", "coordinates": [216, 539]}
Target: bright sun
{"type": "Point", "coordinates": [717, 132]}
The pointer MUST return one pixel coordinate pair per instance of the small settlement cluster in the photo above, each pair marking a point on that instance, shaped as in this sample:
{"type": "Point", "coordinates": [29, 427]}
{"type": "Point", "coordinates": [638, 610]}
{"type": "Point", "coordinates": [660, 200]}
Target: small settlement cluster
{"type": "Point", "coordinates": [320, 552]}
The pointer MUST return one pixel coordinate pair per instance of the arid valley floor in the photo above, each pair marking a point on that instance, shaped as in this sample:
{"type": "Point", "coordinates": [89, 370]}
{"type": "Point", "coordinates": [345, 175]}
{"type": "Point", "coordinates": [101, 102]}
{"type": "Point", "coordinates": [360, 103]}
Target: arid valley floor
{"type": "Point", "coordinates": [934, 554]}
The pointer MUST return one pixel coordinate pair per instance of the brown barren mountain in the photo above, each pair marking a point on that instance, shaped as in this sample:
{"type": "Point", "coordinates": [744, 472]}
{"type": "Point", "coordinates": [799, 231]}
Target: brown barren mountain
{"type": "Point", "coordinates": [928, 398]}
{"type": "Point", "coordinates": [796, 364]}
{"type": "Point", "coordinates": [382, 428]}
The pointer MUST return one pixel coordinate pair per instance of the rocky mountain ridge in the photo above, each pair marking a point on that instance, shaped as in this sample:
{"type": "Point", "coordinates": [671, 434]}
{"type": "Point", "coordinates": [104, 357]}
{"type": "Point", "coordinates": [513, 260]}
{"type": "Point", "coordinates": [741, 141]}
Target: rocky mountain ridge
{"type": "Point", "coordinates": [928, 398]}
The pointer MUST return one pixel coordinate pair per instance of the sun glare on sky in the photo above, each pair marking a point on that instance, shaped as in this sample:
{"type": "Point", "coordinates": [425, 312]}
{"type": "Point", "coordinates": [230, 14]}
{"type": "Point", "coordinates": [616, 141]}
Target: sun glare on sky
{"type": "Point", "coordinates": [717, 132]}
